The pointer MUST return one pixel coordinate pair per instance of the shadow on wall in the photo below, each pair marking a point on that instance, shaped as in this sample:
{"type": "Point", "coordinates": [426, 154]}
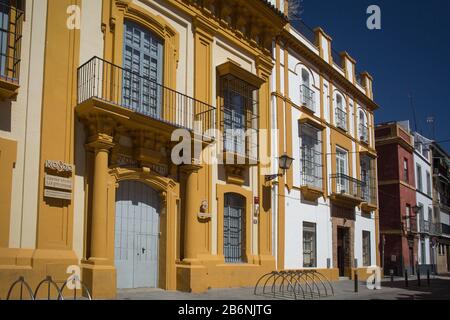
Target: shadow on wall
{"type": "Point", "coordinates": [5, 116]}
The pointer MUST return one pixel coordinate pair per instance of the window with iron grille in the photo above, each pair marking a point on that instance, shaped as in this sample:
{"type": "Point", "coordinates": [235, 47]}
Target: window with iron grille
{"type": "Point", "coordinates": [234, 228]}
{"type": "Point", "coordinates": [309, 245]}
{"type": "Point", "coordinates": [423, 256]}
{"type": "Point", "coordinates": [367, 257]}
{"type": "Point", "coordinates": [11, 20]}
{"type": "Point", "coordinates": [306, 92]}
{"type": "Point", "coordinates": [419, 178]}
{"type": "Point", "coordinates": [239, 120]}
{"type": "Point", "coordinates": [311, 156]}
{"type": "Point", "coordinates": [340, 113]}
{"type": "Point", "coordinates": [368, 184]}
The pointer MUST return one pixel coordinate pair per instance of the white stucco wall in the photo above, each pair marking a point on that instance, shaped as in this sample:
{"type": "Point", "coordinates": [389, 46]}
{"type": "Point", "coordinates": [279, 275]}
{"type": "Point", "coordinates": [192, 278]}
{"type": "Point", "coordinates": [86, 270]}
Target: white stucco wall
{"type": "Point", "coordinates": [26, 129]}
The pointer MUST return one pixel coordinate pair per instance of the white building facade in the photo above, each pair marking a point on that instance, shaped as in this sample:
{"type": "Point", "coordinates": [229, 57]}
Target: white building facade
{"type": "Point", "coordinates": [424, 193]}
{"type": "Point", "coordinates": [327, 201]}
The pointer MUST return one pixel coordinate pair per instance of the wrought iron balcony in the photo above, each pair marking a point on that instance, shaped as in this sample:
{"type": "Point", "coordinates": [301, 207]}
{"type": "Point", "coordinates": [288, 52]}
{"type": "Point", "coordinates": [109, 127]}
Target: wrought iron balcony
{"type": "Point", "coordinates": [101, 80]}
{"type": "Point", "coordinates": [11, 20]}
{"type": "Point", "coordinates": [347, 189]}
{"type": "Point", "coordinates": [239, 119]}
{"type": "Point", "coordinates": [435, 229]}
{"type": "Point", "coordinates": [424, 226]}
{"type": "Point", "coordinates": [369, 193]}
{"type": "Point", "coordinates": [312, 169]}
{"type": "Point", "coordinates": [341, 118]}
{"type": "Point", "coordinates": [363, 133]}
{"type": "Point", "coordinates": [307, 98]}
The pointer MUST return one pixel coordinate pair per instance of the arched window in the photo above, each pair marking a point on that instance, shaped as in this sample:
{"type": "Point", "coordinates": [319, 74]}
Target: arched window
{"type": "Point", "coordinates": [306, 92]}
{"type": "Point", "coordinates": [234, 228]}
{"type": "Point", "coordinates": [363, 127]}
{"type": "Point", "coordinates": [143, 70]}
{"type": "Point", "coordinates": [305, 78]}
{"type": "Point", "coordinates": [340, 112]}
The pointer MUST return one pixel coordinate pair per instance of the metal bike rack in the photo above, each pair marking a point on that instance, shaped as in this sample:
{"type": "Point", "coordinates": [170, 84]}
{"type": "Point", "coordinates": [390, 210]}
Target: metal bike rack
{"type": "Point", "coordinates": [22, 283]}
{"type": "Point", "coordinates": [76, 280]}
{"type": "Point", "coordinates": [308, 284]}
{"type": "Point", "coordinates": [50, 284]}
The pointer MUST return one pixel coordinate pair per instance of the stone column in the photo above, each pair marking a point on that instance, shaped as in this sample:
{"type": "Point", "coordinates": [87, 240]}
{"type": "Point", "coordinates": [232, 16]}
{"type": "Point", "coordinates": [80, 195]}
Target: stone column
{"type": "Point", "coordinates": [192, 226]}
{"type": "Point", "coordinates": [101, 146]}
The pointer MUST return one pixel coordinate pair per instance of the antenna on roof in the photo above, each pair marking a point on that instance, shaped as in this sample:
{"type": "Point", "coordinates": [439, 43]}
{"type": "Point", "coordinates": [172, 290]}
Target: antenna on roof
{"type": "Point", "coordinates": [432, 123]}
{"type": "Point", "coordinates": [413, 110]}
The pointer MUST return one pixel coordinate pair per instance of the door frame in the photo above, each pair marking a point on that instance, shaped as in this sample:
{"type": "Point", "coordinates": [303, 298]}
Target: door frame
{"type": "Point", "coordinates": [132, 186]}
{"type": "Point", "coordinates": [169, 193]}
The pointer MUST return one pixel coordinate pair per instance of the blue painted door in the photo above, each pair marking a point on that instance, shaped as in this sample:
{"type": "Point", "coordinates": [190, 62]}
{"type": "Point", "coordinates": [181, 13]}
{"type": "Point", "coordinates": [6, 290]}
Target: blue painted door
{"type": "Point", "coordinates": [4, 28]}
{"type": "Point", "coordinates": [143, 71]}
{"type": "Point", "coordinates": [136, 236]}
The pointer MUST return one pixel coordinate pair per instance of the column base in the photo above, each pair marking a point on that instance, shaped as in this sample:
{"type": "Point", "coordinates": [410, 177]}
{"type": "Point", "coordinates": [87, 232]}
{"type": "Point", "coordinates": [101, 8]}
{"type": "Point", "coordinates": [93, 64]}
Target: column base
{"type": "Point", "coordinates": [100, 280]}
{"type": "Point", "coordinates": [191, 278]}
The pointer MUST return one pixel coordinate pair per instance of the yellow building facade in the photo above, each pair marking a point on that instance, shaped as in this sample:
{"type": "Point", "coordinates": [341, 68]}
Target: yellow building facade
{"type": "Point", "coordinates": [85, 155]}
{"type": "Point", "coordinates": [96, 96]}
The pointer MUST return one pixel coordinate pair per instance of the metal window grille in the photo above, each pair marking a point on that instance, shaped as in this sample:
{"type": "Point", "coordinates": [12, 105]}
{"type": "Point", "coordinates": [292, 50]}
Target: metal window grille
{"type": "Point", "coordinates": [341, 118]}
{"type": "Point", "coordinates": [309, 245]}
{"type": "Point", "coordinates": [234, 228]}
{"type": "Point", "coordinates": [239, 119]}
{"type": "Point", "coordinates": [307, 97]}
{"type": "Point", "coordinates": [11, 21]}
{"type": "Point", "coordinates": [311, 157]}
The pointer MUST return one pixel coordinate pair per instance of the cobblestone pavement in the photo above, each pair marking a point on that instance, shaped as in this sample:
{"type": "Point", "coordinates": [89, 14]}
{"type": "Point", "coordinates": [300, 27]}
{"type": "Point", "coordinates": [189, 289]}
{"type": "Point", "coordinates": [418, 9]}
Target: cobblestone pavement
{"type": "Point", "coordinates": [439, 289]}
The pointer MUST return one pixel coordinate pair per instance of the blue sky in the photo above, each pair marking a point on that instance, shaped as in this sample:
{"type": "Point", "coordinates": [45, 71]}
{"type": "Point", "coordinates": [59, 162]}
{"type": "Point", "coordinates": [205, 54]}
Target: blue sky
{"type": "Point", "coordinates": [410, 54]}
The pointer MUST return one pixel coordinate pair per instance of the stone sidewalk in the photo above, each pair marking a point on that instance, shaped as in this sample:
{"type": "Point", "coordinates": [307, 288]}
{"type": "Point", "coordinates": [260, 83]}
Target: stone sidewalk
{"type": "Point", "coordinates": [344, 290]}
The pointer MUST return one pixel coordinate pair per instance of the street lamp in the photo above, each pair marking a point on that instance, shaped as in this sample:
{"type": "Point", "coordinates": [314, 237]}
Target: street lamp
{"type": "Point", "coordinates": [284, 163]}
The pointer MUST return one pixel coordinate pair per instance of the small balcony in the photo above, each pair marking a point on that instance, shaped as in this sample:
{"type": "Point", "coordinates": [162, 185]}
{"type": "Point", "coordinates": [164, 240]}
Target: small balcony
{"type": "Point", "coordinates": [239, 121]}
{"type": "Point", "coordinates": [341, 119]}
{"type": "Point", "coordinates": [363, 133]}
{"type": "Point", "coordinates": [311, 181]}
{"type": "Point", "coordinates": [369, 195]}
{"type": "Point", "coordinates": [435, 229]}
{"type": "Point", "coordinates": [424, 226]}
{"type": "Point", "coordinates": [134, 102]}
{"type": "Point", "coordinates": [10, 50]}
{"type": "Point", "coordinates": [346, 190]}
{"type": "Point", "coordinates": [307, 98]}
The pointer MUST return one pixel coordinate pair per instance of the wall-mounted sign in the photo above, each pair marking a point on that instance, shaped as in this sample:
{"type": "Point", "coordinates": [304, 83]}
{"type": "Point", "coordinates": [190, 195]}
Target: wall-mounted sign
{"type": "Point", "coordinates": [57, 194]}
{"type": "Point", "coordinates": [56, 182]}
{"type": "Point", "coordinates": [58, 166]}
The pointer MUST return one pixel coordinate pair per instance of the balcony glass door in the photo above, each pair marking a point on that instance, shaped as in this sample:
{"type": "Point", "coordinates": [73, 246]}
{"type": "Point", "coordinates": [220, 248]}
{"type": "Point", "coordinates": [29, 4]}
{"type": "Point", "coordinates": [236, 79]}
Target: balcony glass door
{"type": "Point", "coordinates": [342, 171]}
{"type": "Point", "coordinates": [143, 71]}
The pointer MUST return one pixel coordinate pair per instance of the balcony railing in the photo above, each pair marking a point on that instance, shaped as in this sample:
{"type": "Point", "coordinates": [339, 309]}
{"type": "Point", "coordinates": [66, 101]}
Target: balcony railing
{"type": "Point", "coordinates": [369, 191]}
{"type": "Point", "coordinates": [343, 184]}
{"type": "Point", "coordinates": [363, 133]}
{"type": "Point", "coordinates": [312, 168]}
{"type": "Point", "coordinates": [435, 229]}
{"type": "Point", "coordinates": [341, 118]}
{"type": "Point", "coordinates": [105, 81]}
{"type": "Point", "coordinates": [11, 20]}
{"type": "Point", "coordinates": [424, 226]}
{"type": "Point", "coordinates": [307, 98]}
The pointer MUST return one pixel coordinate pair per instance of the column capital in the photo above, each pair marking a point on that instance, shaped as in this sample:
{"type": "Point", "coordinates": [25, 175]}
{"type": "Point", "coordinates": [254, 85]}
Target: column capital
{"type": "Point", "coordinates": [190, 168]}
{"type": "Point", "coordinates": [100, 141]}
